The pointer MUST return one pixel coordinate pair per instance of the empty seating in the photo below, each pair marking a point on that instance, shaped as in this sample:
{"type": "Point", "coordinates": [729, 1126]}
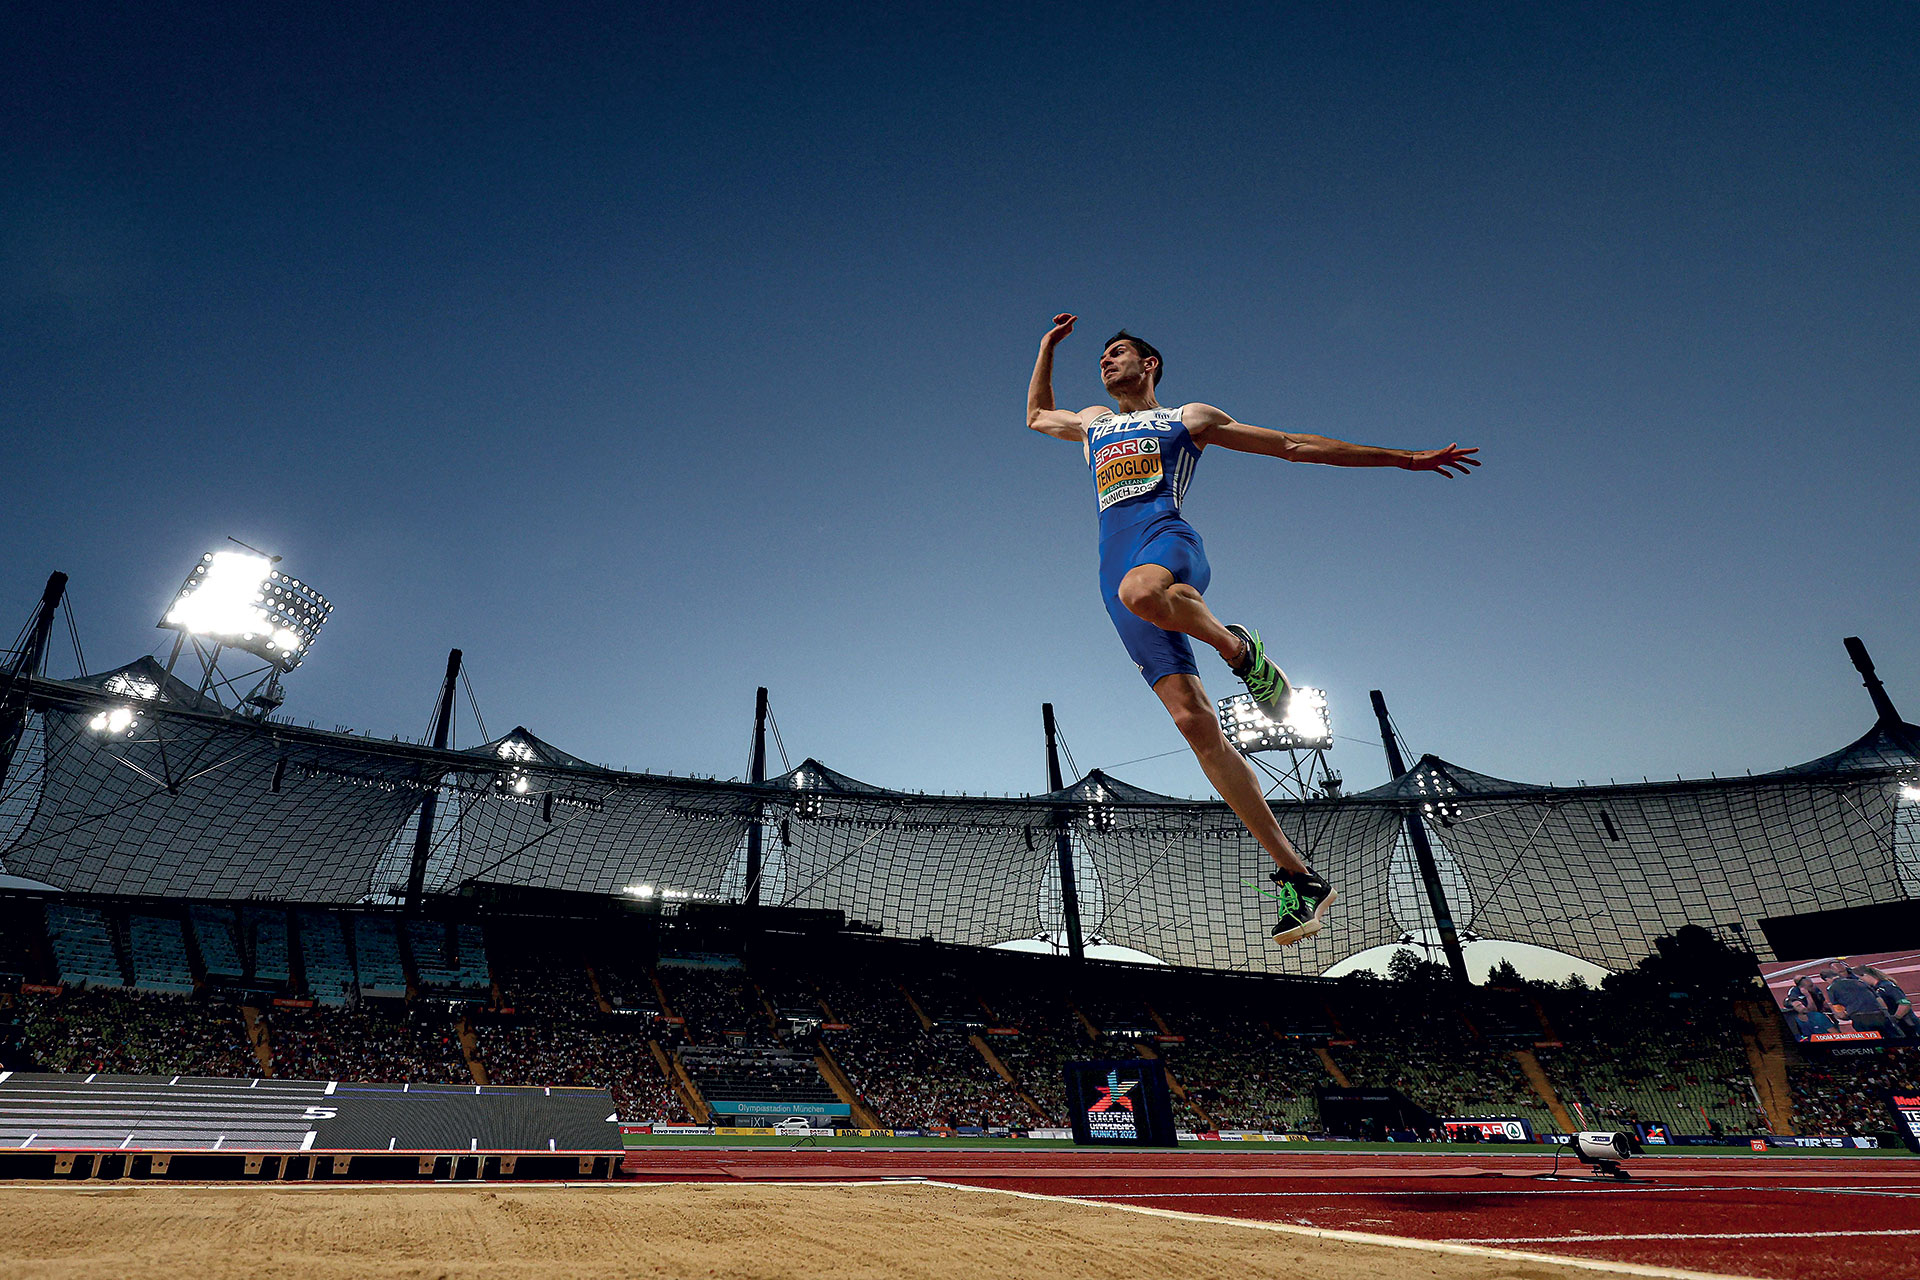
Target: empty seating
{"type": "Point", "coordinates": [323, 955]}
{"type": "Point", "coordinates": [83, 946]}
{"type": "Point", "coordinates": [216, 932]}
{"type": "Point", "coordinates": [267, 927]}
{"type": "Point", "coordinates": [769, 1077]}
{"type": "Point", "coordinates": [158, 947]}
{"type": "Point", "coordinates": [376, 948]}
{"type": "Point", "coordinates": [449, 959]}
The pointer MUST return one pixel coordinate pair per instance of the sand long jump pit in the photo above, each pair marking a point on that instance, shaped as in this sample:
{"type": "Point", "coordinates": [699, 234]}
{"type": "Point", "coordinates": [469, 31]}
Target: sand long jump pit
{"type": "Point", "coordinates": [900, 1229]}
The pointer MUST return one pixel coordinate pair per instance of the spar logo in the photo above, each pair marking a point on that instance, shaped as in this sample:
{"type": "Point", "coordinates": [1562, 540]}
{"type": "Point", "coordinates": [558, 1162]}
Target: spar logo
{"type": "Point", "coordinates": [1124, 449]}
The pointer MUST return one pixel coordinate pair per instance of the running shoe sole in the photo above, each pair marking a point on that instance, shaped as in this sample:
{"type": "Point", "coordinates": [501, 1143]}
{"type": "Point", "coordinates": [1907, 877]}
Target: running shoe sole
{"type": "Point", "coordinates": [1313, 925]}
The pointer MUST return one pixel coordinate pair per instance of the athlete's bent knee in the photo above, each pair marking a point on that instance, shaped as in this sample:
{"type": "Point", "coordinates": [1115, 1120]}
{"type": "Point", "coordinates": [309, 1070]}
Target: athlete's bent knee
{"type": "Point", "coordinates": [1196, 724]}
{"type": "Point", "coordinates": [1144, 599]}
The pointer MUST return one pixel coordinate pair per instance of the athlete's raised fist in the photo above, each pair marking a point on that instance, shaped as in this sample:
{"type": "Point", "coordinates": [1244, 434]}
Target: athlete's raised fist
{"type": "Point", "coordinates": [1453, 456]}
{"type": "Point", "coordinates": [1062, 326]}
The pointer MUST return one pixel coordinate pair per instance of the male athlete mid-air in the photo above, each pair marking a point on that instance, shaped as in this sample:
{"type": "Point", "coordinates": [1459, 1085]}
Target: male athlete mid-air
{"type": "Point", "coordinates": [1153, 567]}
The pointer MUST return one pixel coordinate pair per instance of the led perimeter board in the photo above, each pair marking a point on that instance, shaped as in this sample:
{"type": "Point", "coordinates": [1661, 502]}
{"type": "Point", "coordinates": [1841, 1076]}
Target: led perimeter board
{"type": "Point", "coordinates": [1120, 1104]}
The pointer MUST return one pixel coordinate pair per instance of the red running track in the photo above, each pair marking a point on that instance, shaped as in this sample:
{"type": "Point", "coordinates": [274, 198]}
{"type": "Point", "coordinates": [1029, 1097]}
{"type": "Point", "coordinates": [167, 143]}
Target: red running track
{"type": "Point", "coordinates": [1784, 1218]}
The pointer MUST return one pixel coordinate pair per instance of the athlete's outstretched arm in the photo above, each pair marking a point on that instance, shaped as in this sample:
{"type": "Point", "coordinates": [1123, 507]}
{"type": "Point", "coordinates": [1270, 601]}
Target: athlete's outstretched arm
{"type": "Point", "coordinates": [1041, 415]}
{"type": "Point", "coordinates": [1208, 425]}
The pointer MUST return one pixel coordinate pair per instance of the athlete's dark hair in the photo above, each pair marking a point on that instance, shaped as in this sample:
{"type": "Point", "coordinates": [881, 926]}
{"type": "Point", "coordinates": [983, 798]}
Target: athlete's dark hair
{"type": "Point", "coordinates": [1145, 349]}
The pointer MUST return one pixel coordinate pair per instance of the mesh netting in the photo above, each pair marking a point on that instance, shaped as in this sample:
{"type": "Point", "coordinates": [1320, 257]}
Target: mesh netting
{"type": "Point", "coordinates": [192, 801]}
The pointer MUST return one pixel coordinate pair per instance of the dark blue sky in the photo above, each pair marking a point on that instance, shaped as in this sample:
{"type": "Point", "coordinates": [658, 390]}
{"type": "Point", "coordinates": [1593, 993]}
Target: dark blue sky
{"type": "Point", "coordinates": [650, 354]}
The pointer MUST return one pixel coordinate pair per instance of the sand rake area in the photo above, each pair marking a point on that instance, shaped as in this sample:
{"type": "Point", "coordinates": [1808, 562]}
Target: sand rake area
{"type": "Point", "coordinates": [53, 1232]}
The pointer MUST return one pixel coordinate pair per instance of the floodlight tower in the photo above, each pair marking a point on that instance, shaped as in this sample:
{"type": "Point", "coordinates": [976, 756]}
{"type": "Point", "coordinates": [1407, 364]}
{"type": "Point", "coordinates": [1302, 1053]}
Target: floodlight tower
{"type": "Point", "coordinates": [1304, 735]}
{"type": "Point", "coordinates": [238, 601]}
{"type": "Point", "coordinates": [27, 663]}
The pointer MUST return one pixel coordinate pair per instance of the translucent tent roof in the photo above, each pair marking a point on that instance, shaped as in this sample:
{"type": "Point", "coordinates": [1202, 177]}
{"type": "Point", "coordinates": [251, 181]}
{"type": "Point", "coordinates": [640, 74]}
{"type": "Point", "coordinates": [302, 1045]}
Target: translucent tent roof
{"type": "Point", "coordinates": [197, 801]}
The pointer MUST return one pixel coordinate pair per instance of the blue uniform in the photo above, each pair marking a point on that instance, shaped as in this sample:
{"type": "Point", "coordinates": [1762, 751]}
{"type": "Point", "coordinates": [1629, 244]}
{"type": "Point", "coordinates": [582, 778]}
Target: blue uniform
{"type": "Point", "coordinates": [1142, 463]}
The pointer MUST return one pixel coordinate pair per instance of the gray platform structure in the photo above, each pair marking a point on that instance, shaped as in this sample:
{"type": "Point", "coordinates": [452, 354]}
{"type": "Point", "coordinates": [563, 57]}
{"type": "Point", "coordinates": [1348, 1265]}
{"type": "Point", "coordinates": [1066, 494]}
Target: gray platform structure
{"type": "Point", "coordinates": [190, 800]}
{"type": "Point", "coordinates": [55, 1125]}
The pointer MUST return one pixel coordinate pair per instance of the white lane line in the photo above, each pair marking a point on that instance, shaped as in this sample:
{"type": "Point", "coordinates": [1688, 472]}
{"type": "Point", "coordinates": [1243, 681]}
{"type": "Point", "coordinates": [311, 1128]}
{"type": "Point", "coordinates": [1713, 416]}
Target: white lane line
{"type": "Point", "coordinates": [1574, 1261]}
{"type": "Point", "coordinates": [1684, 1235]}
{"type": "Point", "coordinates": [331, 1084]}
{"type": "Point", "coordinates": [306, 1143]}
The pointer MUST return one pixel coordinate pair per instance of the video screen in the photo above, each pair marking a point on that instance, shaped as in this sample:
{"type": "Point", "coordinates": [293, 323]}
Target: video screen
{"type": "Point", "coordinates": [1849, 998]}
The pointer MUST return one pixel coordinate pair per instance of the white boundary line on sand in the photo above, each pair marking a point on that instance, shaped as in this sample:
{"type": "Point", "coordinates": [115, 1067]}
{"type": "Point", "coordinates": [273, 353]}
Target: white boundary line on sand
{"type": "Point", "coordinates": [1366, 1237]}
{"type": "Point", "coordinates": [1691, 1235]}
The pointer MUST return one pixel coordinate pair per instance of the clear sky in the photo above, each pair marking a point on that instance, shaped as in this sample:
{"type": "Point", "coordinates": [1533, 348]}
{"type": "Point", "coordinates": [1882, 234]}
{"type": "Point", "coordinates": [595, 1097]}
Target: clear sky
{"type": "Point", "coordinates": [652, 353]}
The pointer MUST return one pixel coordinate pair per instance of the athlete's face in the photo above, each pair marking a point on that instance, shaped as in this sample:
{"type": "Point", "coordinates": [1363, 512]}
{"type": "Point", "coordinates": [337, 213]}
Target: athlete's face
{"type": "Point", "coordinates": [1122, 367]}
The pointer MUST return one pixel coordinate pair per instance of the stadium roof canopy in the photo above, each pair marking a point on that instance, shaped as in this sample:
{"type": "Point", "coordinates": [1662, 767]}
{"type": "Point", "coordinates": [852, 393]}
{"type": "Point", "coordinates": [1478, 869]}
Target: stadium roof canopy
{"type": "Point", "coordinates": [191, 800]}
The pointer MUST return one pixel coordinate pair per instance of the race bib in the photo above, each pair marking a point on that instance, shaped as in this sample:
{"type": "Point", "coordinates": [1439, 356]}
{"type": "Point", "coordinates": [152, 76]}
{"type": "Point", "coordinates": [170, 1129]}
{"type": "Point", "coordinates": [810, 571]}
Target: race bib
{"type": "Point", "coordinates": [1126, 469]}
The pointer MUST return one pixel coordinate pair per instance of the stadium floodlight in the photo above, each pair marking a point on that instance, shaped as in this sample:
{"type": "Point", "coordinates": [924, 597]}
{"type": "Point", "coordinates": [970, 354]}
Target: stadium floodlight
{"type": "Point", "coordinates": [239, 599]}
{"type": "Point", "coordinates": [114, 721]}
{"type": "Point", "coordinates": [132, 687]}
{"type": "Point", "coordinates": [1306, 727]}
{"type": "Point", "coordinates": [1910, 793]}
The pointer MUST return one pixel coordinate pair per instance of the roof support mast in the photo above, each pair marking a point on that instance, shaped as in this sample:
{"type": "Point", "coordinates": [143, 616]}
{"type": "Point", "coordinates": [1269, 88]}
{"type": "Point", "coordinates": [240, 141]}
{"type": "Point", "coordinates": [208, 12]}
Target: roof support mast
{"type": "Point", "coordinates": [27, 663]}
{"type": "Point", "coordinates": [1423, 850]}
{"type": "Point", "coordinates": [756, 773]}
{"type": "Point", "coordinates": [1883, 705]}
{"type": "Point", "coordinates": [1063, 841]}
{"type": "Point", "coordinates": [423, 834]}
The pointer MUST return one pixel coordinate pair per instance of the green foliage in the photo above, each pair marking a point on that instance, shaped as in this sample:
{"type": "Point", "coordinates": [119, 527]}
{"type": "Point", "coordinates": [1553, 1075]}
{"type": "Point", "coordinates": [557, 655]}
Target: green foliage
{"type": "Point", "coordinates": [1409, 968]}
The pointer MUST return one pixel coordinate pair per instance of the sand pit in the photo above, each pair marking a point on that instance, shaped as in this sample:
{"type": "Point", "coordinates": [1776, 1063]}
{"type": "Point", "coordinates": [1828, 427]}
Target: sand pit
{"type": "Point", "coordinates": [227, 1232]}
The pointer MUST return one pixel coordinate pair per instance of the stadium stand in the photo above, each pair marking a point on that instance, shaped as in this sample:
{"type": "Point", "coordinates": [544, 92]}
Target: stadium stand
{"type": "Point", "coordinates": [137, 1033]}
{"type": "Point", "coordinates": [365, 1044]}
{"type": "Point", "coordinates": [924, 1037]}
{"type": "Point", "coordinates": [760, 1075]}
{"type": "Point", "coordinates": [83, 946]}
{"type": "Point", "coordinates": [216, 932]}
{"type": "Point", "coordinates": [449, 959]}
{"type": "Point", "coordinates": [324, 961]}
{"type": "Point", "coordinates": [1849, 1095]}
{"type": "Point", "coordinates": [551, 1029]}
{"type": "Point", "coordinates": [1241, 1075]}
{"type": "Point", "coordinates": [715, 997]}
{"type": "Point", "coordinates": [158, 948]}
{"type": "Point", "coordinates": [267, 929]}
{"type": "Point", "coordinates": [376, 953]}
{"type": "Point", "coordinates": [1639, 1061]}
{"type": "Point", "coordinates": [910, 1075]}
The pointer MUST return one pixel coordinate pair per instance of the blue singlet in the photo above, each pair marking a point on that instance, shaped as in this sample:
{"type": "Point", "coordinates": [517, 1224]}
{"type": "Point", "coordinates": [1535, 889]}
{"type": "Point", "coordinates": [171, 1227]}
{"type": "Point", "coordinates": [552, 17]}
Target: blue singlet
{"type": "Point", "coordinates": [1142, 463]}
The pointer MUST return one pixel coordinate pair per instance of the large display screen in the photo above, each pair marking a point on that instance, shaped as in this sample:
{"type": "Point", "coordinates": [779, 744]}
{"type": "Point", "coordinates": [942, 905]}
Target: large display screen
{"type": "Point", "coordinates": [1120, 1103]}
{"type": "Point", "coordinates": [1849, 998]}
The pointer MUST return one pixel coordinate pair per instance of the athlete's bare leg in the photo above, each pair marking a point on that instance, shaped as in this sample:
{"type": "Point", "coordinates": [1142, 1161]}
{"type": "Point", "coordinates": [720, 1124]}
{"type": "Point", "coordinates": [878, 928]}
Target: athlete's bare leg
{"type": "Point", "coordinates": [1150, 592]}
{"type": "Point", "coordinates": [1193, 714]}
